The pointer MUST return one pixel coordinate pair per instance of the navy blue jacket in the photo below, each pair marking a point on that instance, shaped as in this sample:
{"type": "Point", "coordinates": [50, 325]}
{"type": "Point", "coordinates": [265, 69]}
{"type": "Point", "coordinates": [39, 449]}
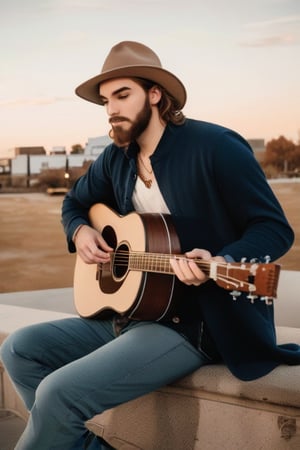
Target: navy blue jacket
{"type": "Point", "coordinates": [219, 200]}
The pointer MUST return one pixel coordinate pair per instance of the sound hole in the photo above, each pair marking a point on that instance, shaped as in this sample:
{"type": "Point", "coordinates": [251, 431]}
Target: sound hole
{"type": "Point", "coordinates": [109, 236]}
{"type": "Point", "coordinates": [121, 261]}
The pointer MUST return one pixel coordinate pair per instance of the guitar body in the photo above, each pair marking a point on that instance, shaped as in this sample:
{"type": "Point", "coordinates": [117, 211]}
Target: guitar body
{"type": "Point", "coordinates": [101, 290]}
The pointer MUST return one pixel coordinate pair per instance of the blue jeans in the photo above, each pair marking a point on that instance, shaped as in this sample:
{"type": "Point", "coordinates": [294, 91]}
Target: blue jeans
{"type": "Point", "coordinates": [68, 370]}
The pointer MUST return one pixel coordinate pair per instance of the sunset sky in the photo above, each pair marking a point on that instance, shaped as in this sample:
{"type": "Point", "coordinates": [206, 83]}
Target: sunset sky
{"type": "Point", "coordinates": [239, 61]}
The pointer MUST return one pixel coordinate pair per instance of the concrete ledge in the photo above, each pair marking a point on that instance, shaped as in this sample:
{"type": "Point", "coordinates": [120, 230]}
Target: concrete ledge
{"type": "Point", "coordinates": [287, 304]}
{"type": "Point", "coordinates": [58, 300]}
{"type": "Point", "coordinates": [208, 410]}
{"type": "Point", "coordinates": [278, 390]}
{"type": "Point", "coordinates": [14, 317]}
{"type": "Point", "coordinates": [11, 318]}
{"type": "Point", "coordinates": [182, 420]}
{"type": "Point", "coordinates": [211, 409]}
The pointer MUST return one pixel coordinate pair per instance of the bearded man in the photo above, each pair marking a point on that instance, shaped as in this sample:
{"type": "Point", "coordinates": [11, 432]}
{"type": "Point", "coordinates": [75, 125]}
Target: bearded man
{"type": "Point", "coordinates": [205, 180]}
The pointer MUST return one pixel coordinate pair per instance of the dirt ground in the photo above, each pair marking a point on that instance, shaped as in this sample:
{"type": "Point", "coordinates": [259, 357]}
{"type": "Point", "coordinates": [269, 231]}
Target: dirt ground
{"type": "Point", "coordinates": [33, 248]}
{"type": "Point", "coordinates": [33, 251]}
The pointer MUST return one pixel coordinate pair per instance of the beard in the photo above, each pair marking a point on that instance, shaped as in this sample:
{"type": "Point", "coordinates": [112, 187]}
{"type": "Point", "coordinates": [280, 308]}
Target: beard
{"type": "Point", "coordinates": [123, 138]}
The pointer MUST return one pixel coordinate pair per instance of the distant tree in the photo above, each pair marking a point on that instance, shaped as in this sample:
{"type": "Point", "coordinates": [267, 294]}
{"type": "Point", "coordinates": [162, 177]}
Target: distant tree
{"type": "Point", "coordinates": [295, 160]}
{"type": "Point", "coordinates": [280, 153]}
{"type": "Point", "coordinates": [77, 149]}
{"type": "Point", "coordinates": [270, 171]}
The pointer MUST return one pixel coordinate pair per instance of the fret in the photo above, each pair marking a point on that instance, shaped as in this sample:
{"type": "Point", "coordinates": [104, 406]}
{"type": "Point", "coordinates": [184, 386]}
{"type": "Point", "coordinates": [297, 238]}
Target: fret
{"type": "Point", "coordinates": [148, 262]}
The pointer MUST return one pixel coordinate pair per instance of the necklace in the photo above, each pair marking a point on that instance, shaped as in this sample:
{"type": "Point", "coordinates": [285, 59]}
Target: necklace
{"type": "Point", "coordinates": [147, 181]}
{"type": "Point", "coordinates": [144, 165]}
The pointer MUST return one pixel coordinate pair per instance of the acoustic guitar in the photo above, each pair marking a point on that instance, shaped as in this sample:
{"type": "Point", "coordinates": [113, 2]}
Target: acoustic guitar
{"type": "Point", "coordinates": [139, 281]}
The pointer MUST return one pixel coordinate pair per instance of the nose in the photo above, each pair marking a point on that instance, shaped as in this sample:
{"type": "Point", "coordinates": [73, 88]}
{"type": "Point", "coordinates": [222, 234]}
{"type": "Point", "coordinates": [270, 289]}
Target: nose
{"type": "Point", "coordinates": [112, 108]}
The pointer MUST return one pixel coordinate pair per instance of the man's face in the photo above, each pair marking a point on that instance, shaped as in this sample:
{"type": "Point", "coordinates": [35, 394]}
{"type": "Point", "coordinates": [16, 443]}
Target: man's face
{"type": "Point", "coordinates": [128, 108]}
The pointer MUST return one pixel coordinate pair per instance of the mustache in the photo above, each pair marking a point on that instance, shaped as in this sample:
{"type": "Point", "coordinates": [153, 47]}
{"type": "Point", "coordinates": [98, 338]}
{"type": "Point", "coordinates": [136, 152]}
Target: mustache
{"type": "Point", "coordinates": [116, 119]}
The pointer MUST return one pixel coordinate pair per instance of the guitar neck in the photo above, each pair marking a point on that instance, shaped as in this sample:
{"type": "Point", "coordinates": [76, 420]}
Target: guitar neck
{"type": "Point", "coordinates": [160, 263]}
{"type": "Point", "coordinates": [151, 262]}
{"type": "Point", "coordinates": [258, 279]}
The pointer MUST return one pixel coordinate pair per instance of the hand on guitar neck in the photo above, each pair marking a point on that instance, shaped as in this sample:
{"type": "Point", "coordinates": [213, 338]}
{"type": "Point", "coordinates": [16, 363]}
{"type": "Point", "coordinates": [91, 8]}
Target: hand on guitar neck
{"type": "Point", "coordinates": [188, 271]}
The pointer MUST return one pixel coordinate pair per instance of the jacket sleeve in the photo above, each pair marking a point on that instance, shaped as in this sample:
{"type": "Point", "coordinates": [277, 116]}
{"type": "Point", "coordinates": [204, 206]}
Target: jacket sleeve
{"type": "Point", "coordinates": [250, 200]}
{"type": "Point", "coordinates": [93, 187]}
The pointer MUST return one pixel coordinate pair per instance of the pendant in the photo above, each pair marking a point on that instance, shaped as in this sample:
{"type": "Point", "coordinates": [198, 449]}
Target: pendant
{"type": "Point", "coordinates": [148, 183]}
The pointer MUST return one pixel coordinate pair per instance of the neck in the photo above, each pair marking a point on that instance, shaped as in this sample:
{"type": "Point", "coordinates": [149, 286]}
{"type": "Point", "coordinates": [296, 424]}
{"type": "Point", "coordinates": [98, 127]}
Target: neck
{"type": "Point", "coordinates": [150, 138]}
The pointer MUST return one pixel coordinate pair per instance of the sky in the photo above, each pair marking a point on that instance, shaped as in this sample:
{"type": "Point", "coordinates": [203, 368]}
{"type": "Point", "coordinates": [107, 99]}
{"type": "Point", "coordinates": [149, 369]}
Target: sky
{"type": "Point", "coordinates": [239, 61]}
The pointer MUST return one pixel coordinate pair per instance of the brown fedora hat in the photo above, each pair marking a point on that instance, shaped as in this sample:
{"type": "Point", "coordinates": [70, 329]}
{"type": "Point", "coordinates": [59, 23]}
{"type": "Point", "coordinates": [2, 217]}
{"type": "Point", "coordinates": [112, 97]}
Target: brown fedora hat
{"type": "Point", "coordinates": [132, 59]}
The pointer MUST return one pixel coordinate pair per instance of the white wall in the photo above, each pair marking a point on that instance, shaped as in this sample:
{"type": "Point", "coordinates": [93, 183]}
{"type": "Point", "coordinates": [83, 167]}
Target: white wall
{"type": "Point", "coordinates": [40, 162]}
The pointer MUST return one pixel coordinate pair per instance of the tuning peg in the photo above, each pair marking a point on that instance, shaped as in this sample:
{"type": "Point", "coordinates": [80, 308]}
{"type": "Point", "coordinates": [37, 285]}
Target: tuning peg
{"type": "Point", "coordinates": [267, 300]}
{"type": "Point", "coordinates": [253, 260]}
{"type": "Point", "coordinates": [243, 260]}
{"type": "Point", "coordinates": [252, 297]}
{"type": "Point", "coordinates": [267, 259]}
{"type": "Point", "coordinates": [235, 294]}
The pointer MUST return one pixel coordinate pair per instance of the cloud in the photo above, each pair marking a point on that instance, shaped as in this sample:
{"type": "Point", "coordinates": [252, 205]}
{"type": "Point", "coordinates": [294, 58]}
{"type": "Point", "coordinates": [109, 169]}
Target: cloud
{"type": "Point", "coordinates": [277, 31]}
{"type": "Point", "coordinates": [285, 20]}
{"type": "Point", "coordinates": [271, 41]}
{"type": "Point", "coordinates": [34, 101]}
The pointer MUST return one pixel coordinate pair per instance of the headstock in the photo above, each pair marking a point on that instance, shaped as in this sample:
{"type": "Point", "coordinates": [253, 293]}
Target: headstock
{"type": "Point", "coordinates": [258, 279]}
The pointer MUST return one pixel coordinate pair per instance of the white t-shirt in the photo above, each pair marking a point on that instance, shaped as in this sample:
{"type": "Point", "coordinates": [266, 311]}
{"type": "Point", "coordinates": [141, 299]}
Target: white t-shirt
{"type": "Point", "coordinates": [147, 200]}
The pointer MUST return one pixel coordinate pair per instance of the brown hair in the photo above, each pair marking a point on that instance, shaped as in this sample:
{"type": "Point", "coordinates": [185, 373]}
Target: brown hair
{"type": "Point", "coordinates": [168, 106]}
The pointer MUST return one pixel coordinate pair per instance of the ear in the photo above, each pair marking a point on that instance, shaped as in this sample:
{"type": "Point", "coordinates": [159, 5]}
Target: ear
{"type": "Point", "coordinates": [154, 95]}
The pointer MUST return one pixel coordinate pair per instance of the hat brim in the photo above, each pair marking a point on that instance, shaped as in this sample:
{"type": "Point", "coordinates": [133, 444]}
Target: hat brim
{"type": "Point", "coordinates": [89, 90]}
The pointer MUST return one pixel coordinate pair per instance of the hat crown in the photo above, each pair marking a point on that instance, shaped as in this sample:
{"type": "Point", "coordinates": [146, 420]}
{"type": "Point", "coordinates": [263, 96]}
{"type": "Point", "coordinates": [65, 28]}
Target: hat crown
{"type": "Point", "coordinates": [130, 59]}
{"type": "Point", "coordinates": [129, 53]}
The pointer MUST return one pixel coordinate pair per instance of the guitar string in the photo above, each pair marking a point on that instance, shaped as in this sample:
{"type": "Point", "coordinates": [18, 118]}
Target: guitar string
{"type": "Point", "coordinates": [234, 282]}
{"type": "Point", "coordinates": [154, 256]}
{"type": "Point", "coordinates": [119, 259]}
{"type": "Point", "coordinates": [125, 255]}
{"type": "Point", "coordinates": [229, 279]}
{"type": "Point", "coordinates": [122, 258]}
{"type": "Point", "coordinates": [164, 255]}
{"type": "Point", "coordinates": [166, 259]}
